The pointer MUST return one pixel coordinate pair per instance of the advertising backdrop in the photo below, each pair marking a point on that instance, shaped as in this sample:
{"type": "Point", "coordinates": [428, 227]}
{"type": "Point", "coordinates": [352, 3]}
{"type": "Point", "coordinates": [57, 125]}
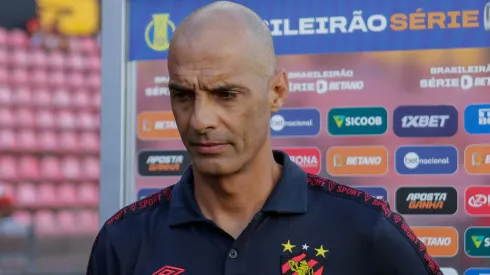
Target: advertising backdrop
{"type": "Point", "coordinates": [391, 97]}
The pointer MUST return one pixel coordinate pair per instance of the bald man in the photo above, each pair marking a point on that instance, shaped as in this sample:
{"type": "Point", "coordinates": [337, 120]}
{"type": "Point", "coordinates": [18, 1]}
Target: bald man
{"type": "Point", "coordinates": [242, 208]}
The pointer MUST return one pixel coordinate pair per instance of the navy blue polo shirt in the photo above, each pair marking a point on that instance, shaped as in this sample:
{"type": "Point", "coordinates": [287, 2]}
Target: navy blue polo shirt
{"type": "Point", "coordinates": [308, 226]}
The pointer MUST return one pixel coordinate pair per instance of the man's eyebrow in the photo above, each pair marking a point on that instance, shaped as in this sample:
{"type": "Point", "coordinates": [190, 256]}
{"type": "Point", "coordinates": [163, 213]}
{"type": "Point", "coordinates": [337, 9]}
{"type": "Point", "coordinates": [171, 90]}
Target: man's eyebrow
{"type": "Point", "coordinates": [223, 87]}
{"type": "Point", "coordinates": [173, 86]}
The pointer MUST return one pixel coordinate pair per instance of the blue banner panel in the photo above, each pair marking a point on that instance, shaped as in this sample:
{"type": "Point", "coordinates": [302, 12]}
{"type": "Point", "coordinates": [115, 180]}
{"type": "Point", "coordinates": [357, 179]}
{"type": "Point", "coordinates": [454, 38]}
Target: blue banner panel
{"type": "Point", "coordinates": [319, 26]}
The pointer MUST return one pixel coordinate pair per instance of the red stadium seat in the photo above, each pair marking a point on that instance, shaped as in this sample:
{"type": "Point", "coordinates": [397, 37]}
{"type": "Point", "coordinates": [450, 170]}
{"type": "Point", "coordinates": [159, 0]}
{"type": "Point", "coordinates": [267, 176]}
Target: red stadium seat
{"type": "Point", "coordinates": [50, 167]}
{"type": "Point", "coordinates": [6, 189]}
{"type": "Point", "coordinates": [89, 141]}
{"type": "Point", "coordinates": [95, 97]}
{"type": "Point", "coordinates": [88, 193]}
{"type": "Point", "coordinates": [8, 168]}
{"type": "Point", "coordinates": [47, 140]}
{"type": "Point", "coordinates": [18, 58]}
{"type": "Point", "coordinates": [42, 97]}
{"type": "Point", "coordinates": [75, 62]}
{"type": "Point", "coordinates": [6, 97]}
{"type": "Point", "coordinates": [21, 96]}
{"type": "Point", "coordinates": [4, 57]}
{"type": "Point", "coordinates": [67, 195]}
{"type": "Point", "coordinates": [19, 76]}
{"type": "Point", "coordinates": [28, 167]}
{"type": "Point", "coordinates": [56, 61]}
{"type": "Point", "coordinates": [7, 139]}
{"type": "Point", "coordinates": [6, 117]}
{"type": "Point", "coordinates": [45, 223]}
{"type": "Point", "coordinates": [91, 167]}
{"type": "Point", "coordinates": [4, 76]}
{"type": "Point", "coordinates": [68, 224]}
{"type": "Point", "coordinates": [81, 98]}
{"type": "Point", "coordinates": [86, 120]}
{"type": "Point", "coordinates": [97, 121]}
{"type": "Point", "coordinates": [38, 59]}
{"type": "Point", "coordinates": [61, 98]}
{"type": "Point", "coordinates": [39, 78]}
{"type": "Point", "coordinates": [75, 80]}
{"type": "Point", "coordinates": [93, 81]}
{"type": "Point", "coordinates": [26, 194]}
{"type": "Point", "coordinates": [93, 64]}
{"type": "Point", "coordinates": [89, 46]}
{"type": "Point", "coordinates": [26, 139]}
{"type": "Point", "coordinates": [71, 168]}
{"type": "Point", "coordinates": [46, 193]}
{"type": "Point", "coordinates": [66, 119]}
{"type": "Point", "coordinates": [24, 117]}
{"type": "Point", "coordinates": [17, 39]}
{"type": "Point", "coordinates": [74, 44]}
{"type": "Point", "coordinates": [56, 79]}
{"type": "Point", "coordinates": [45, 119]}
{"type": "Point", "coordinates": [68, 141]}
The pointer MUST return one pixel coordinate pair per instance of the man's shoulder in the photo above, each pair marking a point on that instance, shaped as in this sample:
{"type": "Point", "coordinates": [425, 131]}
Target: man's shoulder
{"type": "Point", "coordinates": [360, 200]}
{"type": "Point", "coordinates": [136, 210]}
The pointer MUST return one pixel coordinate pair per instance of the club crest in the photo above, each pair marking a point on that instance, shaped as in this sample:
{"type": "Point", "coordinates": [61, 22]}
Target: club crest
{"type": "Point", "coordinates": [302, 260]}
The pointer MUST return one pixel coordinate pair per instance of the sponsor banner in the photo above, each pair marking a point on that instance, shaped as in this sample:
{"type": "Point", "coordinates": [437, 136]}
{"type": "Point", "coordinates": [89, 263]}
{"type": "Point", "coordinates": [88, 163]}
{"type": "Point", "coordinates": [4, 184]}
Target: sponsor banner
{"type": "Point", "coordinates": [440, 241]}
{"type": "Point", "coordinates": [477, 118]}
{"type": "Point", "coordinates": [379, 193]}
{"type": "Point", "coordinates": [308, 158]}
{"type": "Point", "coordinates": [477, 271]}
{"type": "Point", "coordinates": [477, 159]}
{"type": "Point", "coordinates": [477, 242]}
{"type": "Point", "coordinates": [428, 200]}
{"type": "Point", "coordinates": [426, 160]}
{"type": "Point", "coordinates": [157, 125]}
{"type": "Point", "coordinates": [357, 160]}
{"type": "Point", "coordinates": [163, 163]}
{"type": "Point", "coordinates": [319, 26]}
{"type": "Point", "coordinates": [362, 121]}
{"type": "Point", "coordinates": [448, 271]}
{"type": "Point", "coordinates": [295, 122]}
{"type": "Point", "coordinates": [145, 192]}
{"type": "Point", "coordinates": [425, 121]}
{"type": "Point", "coordinates": [477, 200]}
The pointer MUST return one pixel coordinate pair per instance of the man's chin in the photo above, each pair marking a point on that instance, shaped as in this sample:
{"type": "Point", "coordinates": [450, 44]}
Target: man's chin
{"type": "Point", "coordinates": [214, 167]}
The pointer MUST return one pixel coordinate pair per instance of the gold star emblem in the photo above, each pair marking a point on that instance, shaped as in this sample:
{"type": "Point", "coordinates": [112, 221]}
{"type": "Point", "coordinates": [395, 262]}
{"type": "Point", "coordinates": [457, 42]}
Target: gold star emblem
{"type": "Point", "coordinates": [288, 247]}
{"type": "Point", "coordinates": [320, 251]}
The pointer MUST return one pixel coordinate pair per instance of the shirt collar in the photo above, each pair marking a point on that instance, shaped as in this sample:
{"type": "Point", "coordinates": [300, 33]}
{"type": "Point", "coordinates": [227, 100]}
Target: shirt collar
{"type": "Point", "coordinates": [288, 197]}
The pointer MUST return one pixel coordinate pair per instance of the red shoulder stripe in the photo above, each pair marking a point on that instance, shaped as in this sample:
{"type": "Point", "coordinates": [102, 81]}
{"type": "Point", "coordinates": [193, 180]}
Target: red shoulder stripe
{"type": "Point", "coordinates": [143, 204]}
{"type": "Point", "coordinates": [397, 220]}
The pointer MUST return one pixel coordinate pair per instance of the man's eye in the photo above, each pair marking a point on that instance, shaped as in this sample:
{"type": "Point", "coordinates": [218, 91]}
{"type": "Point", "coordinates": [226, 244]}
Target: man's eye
{"type": "Point", "coordinates": [227, 95]}
{"type": "Point", "coordinates": [179, 95]}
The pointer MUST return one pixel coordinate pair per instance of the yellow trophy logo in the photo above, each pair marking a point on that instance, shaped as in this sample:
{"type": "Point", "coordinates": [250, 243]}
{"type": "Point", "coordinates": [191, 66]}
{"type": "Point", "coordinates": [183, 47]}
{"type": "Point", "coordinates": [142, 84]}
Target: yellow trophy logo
{"type": "Point", "coordinates": [157, 33]}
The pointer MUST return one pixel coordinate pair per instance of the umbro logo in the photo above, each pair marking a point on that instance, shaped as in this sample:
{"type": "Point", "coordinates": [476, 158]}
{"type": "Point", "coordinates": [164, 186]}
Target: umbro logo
{"type": "Point", "coordinates": [169, 270]}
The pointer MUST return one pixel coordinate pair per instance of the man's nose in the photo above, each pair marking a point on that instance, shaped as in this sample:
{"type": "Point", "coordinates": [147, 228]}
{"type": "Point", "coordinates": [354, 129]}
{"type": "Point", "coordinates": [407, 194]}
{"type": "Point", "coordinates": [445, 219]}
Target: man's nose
{"type": "Point", "coordinates": [204, 116]}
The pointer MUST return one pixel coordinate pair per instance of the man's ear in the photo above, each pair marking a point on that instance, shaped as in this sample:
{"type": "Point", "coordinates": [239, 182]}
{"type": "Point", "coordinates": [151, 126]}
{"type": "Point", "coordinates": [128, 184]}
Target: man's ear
{"type": "Point", "coordinates": [279, 90]}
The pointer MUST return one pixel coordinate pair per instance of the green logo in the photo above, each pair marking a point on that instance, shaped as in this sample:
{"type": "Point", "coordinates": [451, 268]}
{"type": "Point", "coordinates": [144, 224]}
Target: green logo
{"type": "Point", "coordinates": [357, 121]}
{"type": "Point", "coordinates": [477, 242]}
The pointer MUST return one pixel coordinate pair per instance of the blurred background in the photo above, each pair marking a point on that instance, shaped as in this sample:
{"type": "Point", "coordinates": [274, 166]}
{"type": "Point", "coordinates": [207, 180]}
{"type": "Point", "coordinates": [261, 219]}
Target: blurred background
{"type": "Point", "coordinates": [49, 134]}
{"type": "Point", "coordinates": [50, 131]}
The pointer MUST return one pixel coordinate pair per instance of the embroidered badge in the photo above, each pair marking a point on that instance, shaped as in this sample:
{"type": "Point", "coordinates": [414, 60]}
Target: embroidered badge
{"type": "Point", "coordinates": [301, 261]}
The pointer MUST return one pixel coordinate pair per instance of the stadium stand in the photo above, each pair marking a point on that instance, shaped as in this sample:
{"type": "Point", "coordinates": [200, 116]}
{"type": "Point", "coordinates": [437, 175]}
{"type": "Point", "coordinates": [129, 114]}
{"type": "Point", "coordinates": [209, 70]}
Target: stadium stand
{"type": "Point", "coordinates": [49, 150]}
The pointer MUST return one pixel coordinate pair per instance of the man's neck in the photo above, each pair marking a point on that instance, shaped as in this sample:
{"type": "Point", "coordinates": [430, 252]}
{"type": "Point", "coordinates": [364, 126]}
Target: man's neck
{"type": "Point", "coordinates": [232, 202]}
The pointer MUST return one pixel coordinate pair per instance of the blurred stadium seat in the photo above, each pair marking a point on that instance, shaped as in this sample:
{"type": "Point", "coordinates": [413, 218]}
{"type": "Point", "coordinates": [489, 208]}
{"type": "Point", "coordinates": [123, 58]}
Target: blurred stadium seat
{"type": "Point", "coordinates": [49, 112]}
{"type": "Point", "coordinates": [49, 143]}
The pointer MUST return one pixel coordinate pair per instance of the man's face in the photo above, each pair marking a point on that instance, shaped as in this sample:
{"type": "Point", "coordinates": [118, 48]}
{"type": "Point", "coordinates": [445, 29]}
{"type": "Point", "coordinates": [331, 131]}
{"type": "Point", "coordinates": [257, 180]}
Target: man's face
{"type": "Point", "coordinates": [221, 106]}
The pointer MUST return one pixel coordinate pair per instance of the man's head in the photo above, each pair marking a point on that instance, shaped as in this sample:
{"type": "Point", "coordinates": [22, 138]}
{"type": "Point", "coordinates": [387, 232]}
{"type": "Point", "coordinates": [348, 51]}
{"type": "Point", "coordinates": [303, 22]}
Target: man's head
{"type": "Point", "coordinates": [224, 86]}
